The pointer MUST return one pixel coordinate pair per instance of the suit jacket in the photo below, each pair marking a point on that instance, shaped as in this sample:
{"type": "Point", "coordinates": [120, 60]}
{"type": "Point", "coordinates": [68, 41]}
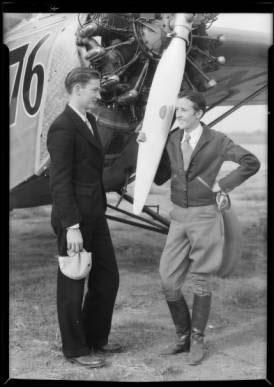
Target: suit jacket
{"type": "Point", "coordinates": [76, 169]}
{"type": "Point", "coordinates": [212, 149]}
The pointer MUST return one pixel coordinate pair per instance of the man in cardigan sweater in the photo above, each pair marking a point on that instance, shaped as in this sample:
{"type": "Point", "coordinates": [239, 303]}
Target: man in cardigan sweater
{"type": "Point", "coordinates": [192, 158]}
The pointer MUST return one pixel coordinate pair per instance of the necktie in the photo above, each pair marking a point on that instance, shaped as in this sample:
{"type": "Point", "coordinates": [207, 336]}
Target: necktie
{"type": "Point", "coordinates": [89, 125]}
{"type": "Point", "coordinates": [187, 150]}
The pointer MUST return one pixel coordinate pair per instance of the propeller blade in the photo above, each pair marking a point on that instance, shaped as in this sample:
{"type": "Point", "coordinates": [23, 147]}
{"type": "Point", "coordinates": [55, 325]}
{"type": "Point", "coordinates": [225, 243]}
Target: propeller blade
{"type": "Point", "coordinates": [160, 109]}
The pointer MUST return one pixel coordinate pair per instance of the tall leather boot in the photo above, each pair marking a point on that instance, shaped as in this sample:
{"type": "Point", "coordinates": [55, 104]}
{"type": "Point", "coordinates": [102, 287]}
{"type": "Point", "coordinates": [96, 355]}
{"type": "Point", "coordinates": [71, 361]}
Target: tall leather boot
{"type": "Point", "coordinates": [200, 314]}
{"type": "Point", "coordinates": [181, 318]}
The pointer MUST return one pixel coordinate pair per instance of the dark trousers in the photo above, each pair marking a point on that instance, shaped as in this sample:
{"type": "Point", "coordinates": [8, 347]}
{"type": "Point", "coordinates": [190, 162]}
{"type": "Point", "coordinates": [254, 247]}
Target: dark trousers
{"type": "Point", "coordinates": [84, 323]}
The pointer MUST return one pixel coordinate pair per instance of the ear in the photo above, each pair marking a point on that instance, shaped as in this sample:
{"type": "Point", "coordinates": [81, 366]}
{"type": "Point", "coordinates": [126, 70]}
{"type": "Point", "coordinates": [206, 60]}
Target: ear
{"type": "Point", "coordinates": [199, 114]}
{"type": "Point", "coordinates": [76, 88]}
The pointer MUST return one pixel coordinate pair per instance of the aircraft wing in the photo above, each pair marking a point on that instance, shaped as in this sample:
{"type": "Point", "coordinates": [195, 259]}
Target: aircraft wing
{"type": "Point", "coordinates": [246, 67]}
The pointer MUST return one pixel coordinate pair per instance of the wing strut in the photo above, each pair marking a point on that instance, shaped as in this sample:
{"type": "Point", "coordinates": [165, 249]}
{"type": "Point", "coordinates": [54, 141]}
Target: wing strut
{"type": "Point", "coordinates": [162, 228]}
{"type": "Point", "coordinates": [237, 106]}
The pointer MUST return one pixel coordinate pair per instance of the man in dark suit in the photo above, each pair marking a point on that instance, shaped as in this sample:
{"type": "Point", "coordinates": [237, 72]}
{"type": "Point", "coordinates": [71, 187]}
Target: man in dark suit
{"type": "Point", "coordinates": [78, 219]}
{"type": "Point", "coordinates": [192, 158]}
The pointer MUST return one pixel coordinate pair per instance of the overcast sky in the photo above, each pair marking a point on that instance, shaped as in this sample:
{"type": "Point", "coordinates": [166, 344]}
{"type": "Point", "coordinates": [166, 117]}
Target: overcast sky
{"type": "Point", "coordinates": [245, 119]}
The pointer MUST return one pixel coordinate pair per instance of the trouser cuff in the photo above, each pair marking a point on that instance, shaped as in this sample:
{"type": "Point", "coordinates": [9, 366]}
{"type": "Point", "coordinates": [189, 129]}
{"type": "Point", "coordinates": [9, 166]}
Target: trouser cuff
{"type": "Point", "coordinates": [200, 283]}
{"type": "Point", "coordinates": [99, 344]}
{"type": "Point", "coordinates": [76, 352]}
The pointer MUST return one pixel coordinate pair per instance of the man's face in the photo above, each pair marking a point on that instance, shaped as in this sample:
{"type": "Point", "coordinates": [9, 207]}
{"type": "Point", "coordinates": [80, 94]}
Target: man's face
{"type": "Point", "coordinates": [88, 94]}
{"type": "Point", "coordinates": [186, 115]}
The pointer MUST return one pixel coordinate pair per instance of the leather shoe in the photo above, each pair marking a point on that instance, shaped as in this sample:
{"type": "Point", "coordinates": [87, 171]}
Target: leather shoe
{"type": "Point", "coordinates": [88, 361]}
{"type": "Point", "coordinates": [197, 352]}
{"type": "Point", "coordinates": [109, 348]}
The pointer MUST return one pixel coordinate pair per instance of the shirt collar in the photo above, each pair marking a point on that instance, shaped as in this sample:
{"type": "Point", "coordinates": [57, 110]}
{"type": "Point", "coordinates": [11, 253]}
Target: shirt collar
{"type": "Point", "coordinates": [82, 116]}
{"type": "Point", "coordinates": [195, 134]}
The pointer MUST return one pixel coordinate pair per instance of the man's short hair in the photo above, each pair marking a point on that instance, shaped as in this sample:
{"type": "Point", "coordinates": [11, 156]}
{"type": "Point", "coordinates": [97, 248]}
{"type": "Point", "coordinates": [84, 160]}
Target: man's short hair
{"type": "Point", "coordinates": [80, 75]}
{"type": "Point", "coordinates": [196, 98]}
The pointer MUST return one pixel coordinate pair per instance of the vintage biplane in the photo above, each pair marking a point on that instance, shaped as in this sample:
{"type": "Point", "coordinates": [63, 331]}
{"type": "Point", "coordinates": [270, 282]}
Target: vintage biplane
{"type": "Point", "coordinates": [229, 66]}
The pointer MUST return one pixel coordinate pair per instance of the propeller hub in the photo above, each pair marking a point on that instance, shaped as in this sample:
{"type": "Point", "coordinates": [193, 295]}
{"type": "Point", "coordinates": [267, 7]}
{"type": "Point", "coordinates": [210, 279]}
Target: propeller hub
{"type": "Point", "coordinates": [183, 25]}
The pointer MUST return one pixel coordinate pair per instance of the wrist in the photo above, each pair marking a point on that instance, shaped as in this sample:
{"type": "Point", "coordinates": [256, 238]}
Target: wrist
{"type": "Point", "coordinates": [216, 187]}
{"type": "Point", "coordinates": [74, 227]}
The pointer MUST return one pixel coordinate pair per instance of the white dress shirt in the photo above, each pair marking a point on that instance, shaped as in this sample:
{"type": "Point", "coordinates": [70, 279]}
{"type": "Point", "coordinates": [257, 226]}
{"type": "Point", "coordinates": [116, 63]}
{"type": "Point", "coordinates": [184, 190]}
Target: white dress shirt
{"type": "Point", "coordinates": [195, 135]}
{"type": "Point", "coordinates": [82, 116]}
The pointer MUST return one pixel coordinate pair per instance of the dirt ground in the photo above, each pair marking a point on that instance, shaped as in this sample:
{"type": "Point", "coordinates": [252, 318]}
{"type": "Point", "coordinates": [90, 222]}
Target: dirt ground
{"type": "Point", "coordinates": [236, 333]}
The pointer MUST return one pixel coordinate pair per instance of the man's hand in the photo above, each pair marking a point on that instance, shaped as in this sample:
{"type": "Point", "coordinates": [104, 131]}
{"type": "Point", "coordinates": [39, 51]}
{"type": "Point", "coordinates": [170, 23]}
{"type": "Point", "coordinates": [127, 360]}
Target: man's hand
{"type": "Point", "coordinates": [141, 137]}
{"type": "Point", "coordinates": [74, 240]}
{"type": "Point", "coordinates": [223, 201]}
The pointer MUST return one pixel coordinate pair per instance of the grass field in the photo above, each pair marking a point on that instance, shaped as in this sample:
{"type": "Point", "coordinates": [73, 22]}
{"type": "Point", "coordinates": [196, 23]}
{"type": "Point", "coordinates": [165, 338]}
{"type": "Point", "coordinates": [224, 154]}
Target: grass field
{"type": "Point", "coordinates": [236, 333]}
